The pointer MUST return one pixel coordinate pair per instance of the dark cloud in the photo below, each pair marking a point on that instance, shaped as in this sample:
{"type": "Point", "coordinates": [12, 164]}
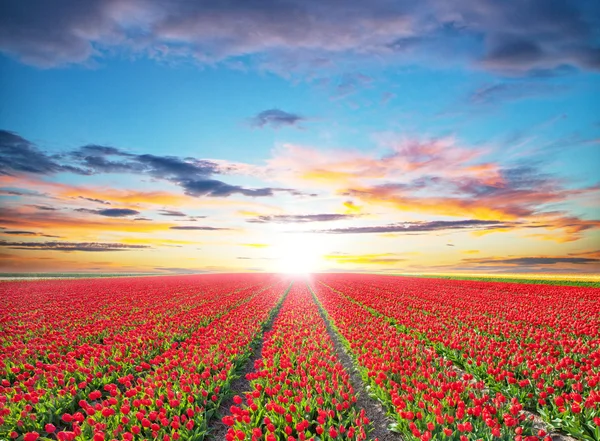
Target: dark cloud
{"type": "Point", "coordinates": [45, 208]}
{"type": "Point", "coordinates": [98, 201]}
{"type": "Point", "coordinates": [421, 227]}
{"type": "Point", "coordinates": [70, 246]}
{"type": "Point", "coordinates": [110, 212]}
{"type": "Point", "coordinates": [117, 212]}
{"type": "Point", "coordinates": [215, 188]}
{"type": "Point", "coordinates": [199, 228]}
{"type": "Point", "coordinates": [17, 155]}
{"type": "Point", "coordinates": [284, 36]}
{"type": "Point", "coordinates": [300, 218]}
{"type": "Point", "coordinates": [191, 174]}
{"type": "Point", "coordinates": [20, 232]}
{"type": "Point", "coordinates": [102, 159]}
{"type": "Point", "coordinates": [27, 233]}
{"type": "Point", "coordinates": [276, 118]}
{"type": "Point", "coordinates": [22, 192]}
{"type": "Point", "coordinates": [172, 213]}
{"type": "Point", "coordinates": [514, 52]}
{"type": "Point", "coordinates": [526, 261]}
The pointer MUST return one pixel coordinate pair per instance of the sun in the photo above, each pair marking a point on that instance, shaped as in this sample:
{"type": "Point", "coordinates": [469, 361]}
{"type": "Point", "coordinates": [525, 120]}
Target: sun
{"type": "Point", "coordinates": [298, 253]}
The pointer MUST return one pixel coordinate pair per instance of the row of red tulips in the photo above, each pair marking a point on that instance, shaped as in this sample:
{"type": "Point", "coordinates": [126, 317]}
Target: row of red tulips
{"type": "Point", "coordinates": [298, 390]}
{"type": "Point", "coordinates": [552, 368]}
{"type": "Point", "coordinates": [419, 388]}
{"type": "Point", "coordinates": [45, 319]}
{"type": "Point", "coordinates": [93, 380]}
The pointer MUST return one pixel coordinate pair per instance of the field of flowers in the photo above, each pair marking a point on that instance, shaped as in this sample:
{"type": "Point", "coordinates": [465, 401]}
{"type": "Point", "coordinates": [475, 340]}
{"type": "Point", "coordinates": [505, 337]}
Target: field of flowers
{"type": "Point", "coordinates": [179, 357]}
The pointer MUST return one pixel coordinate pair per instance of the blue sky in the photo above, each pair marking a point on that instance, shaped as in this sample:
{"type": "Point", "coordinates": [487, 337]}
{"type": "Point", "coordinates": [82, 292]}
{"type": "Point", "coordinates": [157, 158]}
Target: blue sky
{"type": "Point", "coordinates": [361, 126]}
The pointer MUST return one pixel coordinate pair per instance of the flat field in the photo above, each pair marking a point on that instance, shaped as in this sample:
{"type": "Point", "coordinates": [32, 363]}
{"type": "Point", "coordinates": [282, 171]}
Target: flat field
{"type": "Point", "coordinates": [271, 357]}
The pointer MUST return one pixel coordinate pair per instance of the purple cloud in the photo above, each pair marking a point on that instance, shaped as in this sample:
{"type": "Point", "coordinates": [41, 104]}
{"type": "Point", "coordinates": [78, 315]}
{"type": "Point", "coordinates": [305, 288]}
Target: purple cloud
{"type": "Point", "coordinates": [513, 36]}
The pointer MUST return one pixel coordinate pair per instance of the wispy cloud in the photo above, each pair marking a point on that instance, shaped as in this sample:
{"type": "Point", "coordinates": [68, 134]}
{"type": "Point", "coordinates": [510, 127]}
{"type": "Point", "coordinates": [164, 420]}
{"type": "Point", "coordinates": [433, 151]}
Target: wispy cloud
{"type": "Point", "coordinates": [45, 208]}
{"type": "Point", "coordinates": [502, 92]}
{"type": "Point", "coordinates": [300, 218]}
{"type": "Point", "coordinates": [26, 233]}
{"type": "Point", "coordinates": [420, 227]}
{"type": "Point", "coordinates": [528, 261]}
{"type": "Point", "coordinates": [71, 246]}
{"type": "Point", "coordinates": [172, 213]}
{"type": "Point", "coordinates": [197, 228]}
{"type": "Point", "coordinates": [110, 212]}
{"type": "Point", "coordinates": [98, 201]}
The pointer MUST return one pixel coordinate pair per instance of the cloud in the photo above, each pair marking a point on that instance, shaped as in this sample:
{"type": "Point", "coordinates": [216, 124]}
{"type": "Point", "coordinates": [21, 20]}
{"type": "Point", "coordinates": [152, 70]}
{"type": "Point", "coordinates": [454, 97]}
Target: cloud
{"type": "Point", "coordinates": [98, 201]}
{"type": "Point", "coordinates": [191, 174]}
{"type": "Point", "coordinates": [439, 177]}
{"type": "Point", "coordinates": [360, 259]}
{"type": "Point", "coordinates": [45, 208]}
{"type": "Point", "coordinates": [502, 92]}
{"type": "Point", "coordinates": [26, 233]}
{"type": "Point", "coordinates": [20, 232]}
{"type": "Point", "coordinates": [70, 246]}
{"type": "Point", "coordinates": [17, 156]}
{"type": "Point", "coordinates": [529, 261]}
{"type": "Point", "coordinates": [65, 223]}
{"type": "Point", "coordinates": [198, 228]}
{"type": "Point", "coordinates": [420, 227]}
{"type": "Point", "coordinates": [110, 212]}
{"type": "Point", "coordinates": [350, 84]}
{"type": "Point", "coordinates": [215, 188]}
{"type": "Point", "coordinates": [172, 213]}
{"type": "Point", "coordinates": [103, 159]}
{"type": "Point", "coordinates": [276, 119]}
{"type": "Point", "coordinates": [289, 36]}
{"type": "Point", "coordinates": [255, 245]}
{"type": "Point", "coordinates": [299, 218]}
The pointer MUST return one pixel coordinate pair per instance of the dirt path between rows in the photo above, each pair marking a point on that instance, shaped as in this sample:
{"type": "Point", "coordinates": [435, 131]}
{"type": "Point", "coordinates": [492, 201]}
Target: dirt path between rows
{"type": "Point", "coordinates": [374, 410]}
{"type": "Point", "coordinates": [218, 430]}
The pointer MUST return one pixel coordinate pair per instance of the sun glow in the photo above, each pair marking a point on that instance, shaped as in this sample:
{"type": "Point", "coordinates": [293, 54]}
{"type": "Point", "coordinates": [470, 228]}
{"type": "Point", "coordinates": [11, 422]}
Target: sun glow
{"type": "Point", "coordinates": [298, 253]}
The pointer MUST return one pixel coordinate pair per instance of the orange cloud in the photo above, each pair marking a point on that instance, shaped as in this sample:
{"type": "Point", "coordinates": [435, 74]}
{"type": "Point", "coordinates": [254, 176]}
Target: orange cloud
{"type": "Point", "coordinates": [59, 223]}
{"type": "Point", "coordinates": [352, 208]}
{"type": "Point", "coordinates": [433, 205]}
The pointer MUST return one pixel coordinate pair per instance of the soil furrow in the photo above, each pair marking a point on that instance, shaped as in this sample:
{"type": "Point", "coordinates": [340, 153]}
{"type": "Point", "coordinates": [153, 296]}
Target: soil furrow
{"type": "Point", "coordinates": [374, 410]}
{"type": "Point", "coordinates": [218, 430]}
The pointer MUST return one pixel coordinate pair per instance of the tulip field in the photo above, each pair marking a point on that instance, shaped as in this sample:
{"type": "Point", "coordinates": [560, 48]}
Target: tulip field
{"type": "Point", "coordinates": [273, 357]}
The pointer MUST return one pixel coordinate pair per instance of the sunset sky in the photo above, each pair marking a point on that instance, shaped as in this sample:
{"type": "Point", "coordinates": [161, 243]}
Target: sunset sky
{"type": "Point", "coordinates": [300, 135]}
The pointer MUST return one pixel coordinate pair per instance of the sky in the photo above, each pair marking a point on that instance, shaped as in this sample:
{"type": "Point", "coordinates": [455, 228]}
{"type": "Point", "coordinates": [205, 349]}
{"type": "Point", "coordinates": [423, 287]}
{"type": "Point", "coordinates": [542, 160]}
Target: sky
{"type": "Point", "coordinates": [300, 136]}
